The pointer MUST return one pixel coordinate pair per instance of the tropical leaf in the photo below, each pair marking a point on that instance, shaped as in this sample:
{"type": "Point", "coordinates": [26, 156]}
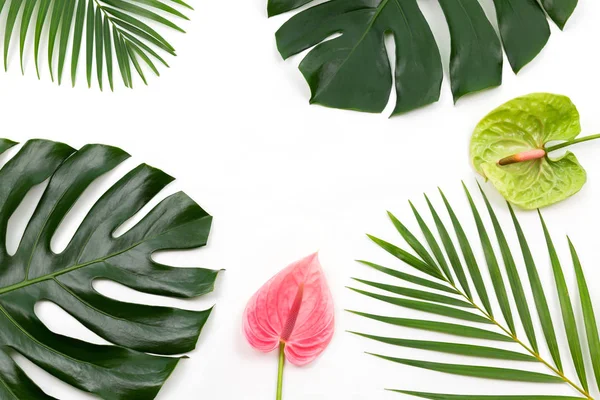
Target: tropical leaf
{"type": "Point", "coordinates": [103, 29]}
{"type": "Point", "coordinates": [352, 71]}
{"type": "Point", "coordinates": [461, 305]}
{"type": "Point", "coordinates": [35, 273]}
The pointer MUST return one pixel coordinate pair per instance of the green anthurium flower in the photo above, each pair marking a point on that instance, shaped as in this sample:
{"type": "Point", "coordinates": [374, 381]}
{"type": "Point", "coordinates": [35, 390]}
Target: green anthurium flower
{"type": "Point", "coordinates": [510, 148]}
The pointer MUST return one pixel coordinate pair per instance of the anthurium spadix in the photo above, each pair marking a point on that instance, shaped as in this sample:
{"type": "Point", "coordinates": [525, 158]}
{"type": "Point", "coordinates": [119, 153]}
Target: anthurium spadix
{"type": "Point", "coordinates": [292, 312]}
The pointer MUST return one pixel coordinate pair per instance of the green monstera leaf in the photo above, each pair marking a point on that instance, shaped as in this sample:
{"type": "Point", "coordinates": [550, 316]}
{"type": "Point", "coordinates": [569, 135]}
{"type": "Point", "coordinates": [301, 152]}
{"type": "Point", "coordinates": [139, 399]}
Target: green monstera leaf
{"type": "Point", "coordinates": [509, 147]}
{"type": "Point", "coordinates": [35, 272]}
{"type": "Point", "coordinates": [352, 71]}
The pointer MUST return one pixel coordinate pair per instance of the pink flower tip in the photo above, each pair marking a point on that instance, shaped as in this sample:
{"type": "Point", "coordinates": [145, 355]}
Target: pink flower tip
{"type": "Point", "coordinates": [294, 307]}
{"type": "Point", "coordinates": [528, 155]}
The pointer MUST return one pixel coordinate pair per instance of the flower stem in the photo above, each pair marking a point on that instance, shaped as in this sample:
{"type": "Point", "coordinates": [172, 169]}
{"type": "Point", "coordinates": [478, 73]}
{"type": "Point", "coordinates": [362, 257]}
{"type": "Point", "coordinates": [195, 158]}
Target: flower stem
{"type": "Point", "coordinates": [280, 370]}
{"type": "Point", "coordinates": [572, 142]}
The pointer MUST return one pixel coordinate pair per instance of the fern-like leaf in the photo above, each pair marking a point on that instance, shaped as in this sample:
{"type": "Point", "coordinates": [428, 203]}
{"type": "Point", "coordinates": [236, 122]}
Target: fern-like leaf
{"type": "Point", "coordinates": [104, 30]}
{"type": "Point", "coordinates": [459, 303]}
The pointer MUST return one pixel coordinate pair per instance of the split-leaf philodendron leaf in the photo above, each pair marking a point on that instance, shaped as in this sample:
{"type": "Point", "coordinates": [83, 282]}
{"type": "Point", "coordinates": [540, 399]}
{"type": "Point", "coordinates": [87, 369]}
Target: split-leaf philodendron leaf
{"type": "Point", "coordinates": [509, 147]}
{"type": "Point", "coordinates": [501, 302]}
{"type": "Point", "coordinates": [106, 35]}
{"type": "Point", "coordinates": [36, 273]}
{"type": "Point", "coordinates": [352, 71]}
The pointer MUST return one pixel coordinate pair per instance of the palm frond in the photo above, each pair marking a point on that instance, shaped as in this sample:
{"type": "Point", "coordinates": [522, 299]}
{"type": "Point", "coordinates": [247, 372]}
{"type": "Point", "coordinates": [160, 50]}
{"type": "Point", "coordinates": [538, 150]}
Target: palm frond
{"type": "Point", "coordinates": [459, 303]}
{"type": "Point", "coordinates": [104, 30]}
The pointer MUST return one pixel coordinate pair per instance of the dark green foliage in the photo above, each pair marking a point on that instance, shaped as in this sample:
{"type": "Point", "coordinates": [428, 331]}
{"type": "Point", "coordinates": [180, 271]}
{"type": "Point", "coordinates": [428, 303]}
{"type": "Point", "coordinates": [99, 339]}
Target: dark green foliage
{"type": "Point", "coordinates": [461, 305]}
{"type": "Point", "coordinates": [35, 273]}
{"type": "Point", "coordinates": [352, 71]}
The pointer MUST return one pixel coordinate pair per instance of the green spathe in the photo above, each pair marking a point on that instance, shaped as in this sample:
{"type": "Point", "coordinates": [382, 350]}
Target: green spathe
{"type": "Point", "coordinates": [520, 125]}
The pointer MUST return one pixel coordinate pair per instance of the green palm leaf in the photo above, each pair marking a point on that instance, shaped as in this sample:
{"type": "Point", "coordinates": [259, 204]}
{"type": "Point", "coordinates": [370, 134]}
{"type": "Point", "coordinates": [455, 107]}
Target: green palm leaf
{"type": "Point", "coordinates": [478, 371]}
{"type": "Point", "coordinates": [566, 307]}
{"type": "Point", "coordinates": [487, 327]}
{"type": "Point", "coordinates": [410, 278]}
{"type": "Point", "coordinates": [493, 267]}
{"type": "Point", "coordinates": [442, 327]}
{"type": "Point", "coordinates": [588, 315]}
{"type": "Point", "coordinates": [450, 250]}
{"type": "Point", "coordinates": [102, 29]}
{"type": "Point", "coordinates": [469, 257]}
{"type": "Point", "coordinates": [513, 276]}
{"type": "Point", "coordinates": [454, 348]}
{"type": "Point", "coordinates": [418, 294]}
{"type": "Point", "coordinates": [538, 293]}
{"type": "Point", "coordinates": [426, 307]}
{"type": "Point", "coordinates": [352, 71]}
{"type": "Point", "coordinates": [437, 396]}
{"type": "Point", "coordinates": [35, 272]}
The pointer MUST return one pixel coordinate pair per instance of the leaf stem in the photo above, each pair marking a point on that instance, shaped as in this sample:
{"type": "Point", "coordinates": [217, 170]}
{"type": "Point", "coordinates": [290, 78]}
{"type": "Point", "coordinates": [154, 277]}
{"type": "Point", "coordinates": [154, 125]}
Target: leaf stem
{"type": "Point", "coordinates": [527, 348]}
{"type": "Point", "coordinates": [572, 142]}
{"type": "Point", "coordinates": [280, 370]}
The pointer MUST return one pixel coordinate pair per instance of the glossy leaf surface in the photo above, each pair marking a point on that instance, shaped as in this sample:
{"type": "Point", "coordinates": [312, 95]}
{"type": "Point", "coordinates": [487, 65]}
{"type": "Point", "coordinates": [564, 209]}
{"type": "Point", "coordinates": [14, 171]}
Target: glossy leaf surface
{"type": "Point", "coordinates": [353, 71]}
{"type": "Point", "coordinates": [294, 307]}
{"type": "Point", "coordinates": [522, 124]}
{"type": "Point", "coordinates": [35, 273]}
{"type": "Point", "coordinates": [516, 326]}
{"type": "Point", "coordinates": [348, 64]}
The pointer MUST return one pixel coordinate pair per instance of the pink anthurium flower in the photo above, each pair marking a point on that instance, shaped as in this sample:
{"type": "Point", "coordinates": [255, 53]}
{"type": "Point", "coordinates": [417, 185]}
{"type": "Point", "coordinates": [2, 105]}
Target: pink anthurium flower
{"type": "Point", "coordinates": [293, 312]}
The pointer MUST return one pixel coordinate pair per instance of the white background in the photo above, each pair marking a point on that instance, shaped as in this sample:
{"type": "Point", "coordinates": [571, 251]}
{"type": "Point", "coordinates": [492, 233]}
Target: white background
{"type": "Point", "coordinates": [231, 121]}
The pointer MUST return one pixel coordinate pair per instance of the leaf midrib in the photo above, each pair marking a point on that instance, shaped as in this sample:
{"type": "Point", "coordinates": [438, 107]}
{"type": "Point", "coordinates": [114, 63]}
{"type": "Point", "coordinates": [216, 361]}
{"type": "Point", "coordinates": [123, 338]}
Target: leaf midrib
{"type": "Point", "coordinates": [87, 304]}
{"type": "Point", "coordinates": [29, 282]}
{"type": "Point", "coordinates": [378, 11]}
{"type": "Point", "coordinates": [26, 333]}
{"type": "Point", "coordinates": [527, 348]}
{"type": "Point", "coordinates": [8, 388]}
{"type": "Point", "coordinates": [462, 7]}
{"type": "Point", "coordinates": [110, 19]}
{"type": "Point", "coordinates": [472, 25]}
{"type": "Point", "coordinates": [62, 272]}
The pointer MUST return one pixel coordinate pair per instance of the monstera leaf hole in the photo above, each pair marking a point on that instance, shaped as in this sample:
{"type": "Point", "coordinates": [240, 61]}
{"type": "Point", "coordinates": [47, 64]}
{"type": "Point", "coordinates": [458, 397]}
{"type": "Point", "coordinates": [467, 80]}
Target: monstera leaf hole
{"type": "Point", "coordinates": [19, 219]}
{"type": "Point", "coordinates": [61, 322]}
{"type": "Point", "coordinates": [75, 216]}
{"type": "Point", "coordinates": [47, 381]}
{"type": "Point", "coordinates": [120, 316]}
{"type": "Point", "coordinates": [353, 71]}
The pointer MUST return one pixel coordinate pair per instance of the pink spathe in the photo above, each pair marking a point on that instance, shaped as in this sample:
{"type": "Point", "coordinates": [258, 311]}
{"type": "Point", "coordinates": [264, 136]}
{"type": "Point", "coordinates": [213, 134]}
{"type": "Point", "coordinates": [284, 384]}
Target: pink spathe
{"type": "Point", "coordinates": [294, 307]}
